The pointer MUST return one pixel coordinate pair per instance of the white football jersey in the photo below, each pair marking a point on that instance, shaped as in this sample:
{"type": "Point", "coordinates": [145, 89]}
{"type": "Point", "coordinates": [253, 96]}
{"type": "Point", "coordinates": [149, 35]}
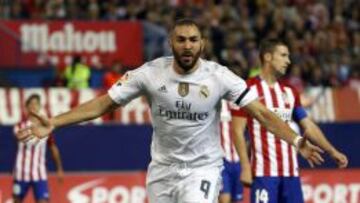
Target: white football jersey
{"type": "Point", "coordinates": [185, 109]}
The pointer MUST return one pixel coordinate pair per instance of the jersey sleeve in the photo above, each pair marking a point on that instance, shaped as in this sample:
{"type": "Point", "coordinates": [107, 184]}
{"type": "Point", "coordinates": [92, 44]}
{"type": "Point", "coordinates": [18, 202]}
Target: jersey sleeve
{"type": "Point", "coordinates": [299, 112]}
{"type": "Point", "coordinates": [128, 87]}
{"type": "Point", "coordinates": [297, 98]}
{"type": "Point", "coordinates": [50, 140]}
{"type": "Point", "coordinates": [239, 113]}
{"type": "Point", "coordinates": [236, 89]}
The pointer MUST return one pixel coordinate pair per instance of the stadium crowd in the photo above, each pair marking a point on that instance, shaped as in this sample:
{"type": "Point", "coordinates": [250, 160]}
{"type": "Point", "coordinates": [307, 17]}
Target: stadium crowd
{"type": "Point", "coordinates": [323, 35]}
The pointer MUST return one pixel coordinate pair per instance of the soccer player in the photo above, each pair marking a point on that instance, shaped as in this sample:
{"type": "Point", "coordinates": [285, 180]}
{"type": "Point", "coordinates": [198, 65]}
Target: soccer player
{"type": "Point", "coordinates": [274, 162]}
{"type": "Point", "coordinates": [30, 165]}
{"type": "Point", "coordinates": [184, 94]}
{"type": "Point", "coordinates": [232, 188]}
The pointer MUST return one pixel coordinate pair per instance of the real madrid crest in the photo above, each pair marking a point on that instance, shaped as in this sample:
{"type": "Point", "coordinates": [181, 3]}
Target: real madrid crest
{"type": "Point", "coordinates": [183, 89]}
{"type": "Point", "coordinates": [204, 92]}
{"type": "Point", "coordinates": [123, 79]}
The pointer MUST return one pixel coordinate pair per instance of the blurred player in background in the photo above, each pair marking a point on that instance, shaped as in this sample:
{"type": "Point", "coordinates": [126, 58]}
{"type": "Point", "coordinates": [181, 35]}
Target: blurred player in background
{"type": "Point", "coordinates": [30, 165]}
{"type": "Point", "coordinates": [234, 174]}
{"type": "Point", "coordinates": [232, 188]}
{"type": "Point", "coordinates": [184, 93]}
{"type": "Point", "coordinates": [274, 162]}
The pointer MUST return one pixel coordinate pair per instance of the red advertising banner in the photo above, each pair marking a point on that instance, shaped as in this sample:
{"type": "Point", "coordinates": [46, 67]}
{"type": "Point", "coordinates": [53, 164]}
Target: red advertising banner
{"type": "Point", "coordinates": [88, 188]}
{"type": "Point", "coordinates": [37, 43]}
{"type": "Point", "coordinates": [57, 100]}
{"type": "Point", "coordinates": [335, 104]}
{"type": "Point", "coordinates": [331, 186]}
{"type": "Point", "coordinates": [331, 107]}
{"type": "Point", "coordinates": [319, 186]}
{"type": "Point", "coordinates": [347, 104]}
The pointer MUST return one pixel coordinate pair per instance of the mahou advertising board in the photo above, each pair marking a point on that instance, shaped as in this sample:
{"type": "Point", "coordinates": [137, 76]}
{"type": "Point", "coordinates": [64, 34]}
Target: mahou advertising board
{"type": "Point", "coordinates": [40, 43]}
{"type": "Point", "coordinates": [319, 186]}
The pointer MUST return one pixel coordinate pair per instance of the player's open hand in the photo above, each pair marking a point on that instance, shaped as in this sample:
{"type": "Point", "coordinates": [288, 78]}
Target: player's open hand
{"type": "Point", "coordinates": [311, 153]}
{"type": "Point", "coordinates": [37, 131]}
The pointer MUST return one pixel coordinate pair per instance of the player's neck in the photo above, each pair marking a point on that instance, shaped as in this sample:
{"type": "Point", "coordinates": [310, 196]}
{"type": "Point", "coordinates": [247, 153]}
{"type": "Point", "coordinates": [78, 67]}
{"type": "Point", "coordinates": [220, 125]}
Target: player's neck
{"type": "Point", "coordinates": [267, 74]}
{"type": "Point", "coordinates": [181, 71]}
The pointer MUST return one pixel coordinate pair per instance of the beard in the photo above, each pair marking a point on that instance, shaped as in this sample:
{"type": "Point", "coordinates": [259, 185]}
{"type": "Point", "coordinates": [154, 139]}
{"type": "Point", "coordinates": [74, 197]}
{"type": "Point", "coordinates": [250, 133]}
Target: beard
{"type": "Point", "coordinates": [187, 59]}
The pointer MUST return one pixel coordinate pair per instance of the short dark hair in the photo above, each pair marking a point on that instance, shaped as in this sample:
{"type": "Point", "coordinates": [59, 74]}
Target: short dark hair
{"type": "Point", "coordinates": [186, 22]}
{"type": "Point", "coordinates": [268, 46]}
{"type": "Point", "coordinates": [31, 97]}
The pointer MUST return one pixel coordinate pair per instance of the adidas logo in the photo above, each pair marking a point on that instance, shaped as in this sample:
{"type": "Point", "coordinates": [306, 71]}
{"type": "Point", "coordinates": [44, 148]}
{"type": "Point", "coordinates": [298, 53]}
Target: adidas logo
{"type": "Point", "coordinates": [162, 89]}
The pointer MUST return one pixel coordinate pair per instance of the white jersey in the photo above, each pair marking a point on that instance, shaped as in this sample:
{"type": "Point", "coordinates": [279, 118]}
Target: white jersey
{"type": "Point", "coordinates": [185, 109]}
{"type": "Point", "coordinates": [30, 164]}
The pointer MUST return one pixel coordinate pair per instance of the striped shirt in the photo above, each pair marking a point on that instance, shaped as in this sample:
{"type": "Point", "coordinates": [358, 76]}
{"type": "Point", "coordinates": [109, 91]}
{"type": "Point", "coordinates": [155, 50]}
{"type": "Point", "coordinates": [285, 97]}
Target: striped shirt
{"type": "Point", "coordinates": [30, 162]}
{"type": "Point", "coordinates": [227, 140]}
{"type": "Point", "coordinates": [271, 156]}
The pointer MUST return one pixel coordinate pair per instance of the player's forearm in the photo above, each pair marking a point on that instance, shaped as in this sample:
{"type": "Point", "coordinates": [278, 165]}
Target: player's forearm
{"type": "Point", "coordinates": [272, 122]}
{"type": "Point", "coordinates": [241, 149]}
{"type": "Point", "coordinates": [278, 127]}
{"type": "Point", "coordinates": [238, 128]}
{"type": "Point", "coordinates": [84, 112]}
{"type": "Point", "coordinates": [57, 158]}
{"type": "Point", "coordinates": [313, 132]}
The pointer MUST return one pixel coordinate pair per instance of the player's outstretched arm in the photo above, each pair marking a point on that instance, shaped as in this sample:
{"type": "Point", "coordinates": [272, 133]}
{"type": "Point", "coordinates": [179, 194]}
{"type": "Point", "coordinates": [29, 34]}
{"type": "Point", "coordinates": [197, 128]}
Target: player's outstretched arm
{"type": "Point", "coordinates": [55, 154]}
{"type": "Point", "coordinates": [281, 130]}
{"type": "Point", "coordinates": [314, 134]}
{"type": "Point", "coordinates": [238, 125]}
{"type": "Point", "coordinates": [84, 112]}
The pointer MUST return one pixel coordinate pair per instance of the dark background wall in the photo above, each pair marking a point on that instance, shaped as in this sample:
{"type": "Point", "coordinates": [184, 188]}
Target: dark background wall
{"type": "Point", "coordinates": [120, 147]}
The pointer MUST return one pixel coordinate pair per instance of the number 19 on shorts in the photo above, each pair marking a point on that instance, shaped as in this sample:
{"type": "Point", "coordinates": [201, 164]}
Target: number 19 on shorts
{"type": "Point", "coordinates": [261, 196]}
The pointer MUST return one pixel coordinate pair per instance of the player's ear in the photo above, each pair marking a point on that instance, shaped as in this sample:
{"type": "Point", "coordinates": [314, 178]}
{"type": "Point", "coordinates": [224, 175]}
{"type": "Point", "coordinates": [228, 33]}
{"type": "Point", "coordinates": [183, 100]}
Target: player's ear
{"type": "Point", "coordinates": [202, 44]}
{"type": "Point", "coordinates": [170, 38]}
{"type": "Point", "coordinates": [267, 57]}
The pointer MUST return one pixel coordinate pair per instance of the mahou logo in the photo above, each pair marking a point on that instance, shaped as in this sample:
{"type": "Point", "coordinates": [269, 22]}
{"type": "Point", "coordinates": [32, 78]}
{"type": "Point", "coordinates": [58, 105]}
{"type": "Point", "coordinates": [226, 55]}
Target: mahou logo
{"type": "Point", "coordinates": [39, 38]}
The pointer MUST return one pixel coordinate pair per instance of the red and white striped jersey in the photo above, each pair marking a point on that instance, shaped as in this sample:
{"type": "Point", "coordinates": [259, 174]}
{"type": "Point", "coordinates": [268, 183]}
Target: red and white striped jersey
{"type": "Point", "coordinates": [30, 162]}
{"type": "Point", "coordinates": [271, 156]}
{"type": "Point", "coordinates": [227, 140]}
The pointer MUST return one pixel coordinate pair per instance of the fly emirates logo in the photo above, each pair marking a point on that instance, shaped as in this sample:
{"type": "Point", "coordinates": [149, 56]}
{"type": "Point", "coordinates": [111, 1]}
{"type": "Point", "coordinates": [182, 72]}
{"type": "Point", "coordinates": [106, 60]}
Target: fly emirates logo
{"type": "Point", "coordinates": [95, 192]}
{"type": "Point", "coordinates": [183, 112]}
{"type": "Point", "coordinates": [39, 38]}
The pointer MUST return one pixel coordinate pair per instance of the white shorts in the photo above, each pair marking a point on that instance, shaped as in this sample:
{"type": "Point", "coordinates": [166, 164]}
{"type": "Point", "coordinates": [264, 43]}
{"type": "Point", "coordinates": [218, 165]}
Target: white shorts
{"type": "Point", "coordinates": [179, 183]}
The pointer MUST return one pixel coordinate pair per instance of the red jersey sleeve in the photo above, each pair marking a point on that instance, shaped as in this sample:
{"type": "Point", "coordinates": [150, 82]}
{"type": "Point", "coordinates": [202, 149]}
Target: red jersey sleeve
{"type": "Point", "coordinates": [297, 97]}
{"type": "Point", "coordinates": [239, 113]}
{"type": "Point", "coordinates": [51, 140]}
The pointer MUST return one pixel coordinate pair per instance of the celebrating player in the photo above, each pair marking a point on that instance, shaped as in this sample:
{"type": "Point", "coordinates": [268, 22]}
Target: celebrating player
{"type": "Point", "coordinates": [184, 94]}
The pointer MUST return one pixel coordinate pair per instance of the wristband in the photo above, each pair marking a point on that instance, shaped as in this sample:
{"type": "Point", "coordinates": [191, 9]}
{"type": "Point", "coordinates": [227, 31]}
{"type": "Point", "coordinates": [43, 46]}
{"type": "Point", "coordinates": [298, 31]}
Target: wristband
{"type": "Point", "coordinates": [296, 141]}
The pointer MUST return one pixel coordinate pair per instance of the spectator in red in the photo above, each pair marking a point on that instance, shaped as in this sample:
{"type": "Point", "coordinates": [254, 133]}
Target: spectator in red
{"type": "Point", "coordinates": [113, 75]}
{"type": "Point", "coordinates": [110, 77]}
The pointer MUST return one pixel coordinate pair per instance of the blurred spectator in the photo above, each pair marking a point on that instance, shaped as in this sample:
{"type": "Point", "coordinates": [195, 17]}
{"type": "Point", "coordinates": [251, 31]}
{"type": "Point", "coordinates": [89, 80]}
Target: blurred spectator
{"type": "Point", "coordinates": [55, 9]}
{"type": "Point", "coordinates": [316, 31]}
{"type": "Point", "coordinates": [113, 75]}
{"type": "Point", "coordinates": [354, 79]}
{"type": "Point", "coordinates": [77, 75]}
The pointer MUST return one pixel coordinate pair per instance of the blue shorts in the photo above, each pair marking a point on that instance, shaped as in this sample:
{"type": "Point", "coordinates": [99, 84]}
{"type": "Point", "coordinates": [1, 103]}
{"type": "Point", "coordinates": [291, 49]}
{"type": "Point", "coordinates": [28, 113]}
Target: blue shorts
{"type": "Point", "coordinates": [276, 190]}
{"type": "Point", "coordinates": [40, 189]}
{"type": "Point", "coordinates": [231, 180]}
